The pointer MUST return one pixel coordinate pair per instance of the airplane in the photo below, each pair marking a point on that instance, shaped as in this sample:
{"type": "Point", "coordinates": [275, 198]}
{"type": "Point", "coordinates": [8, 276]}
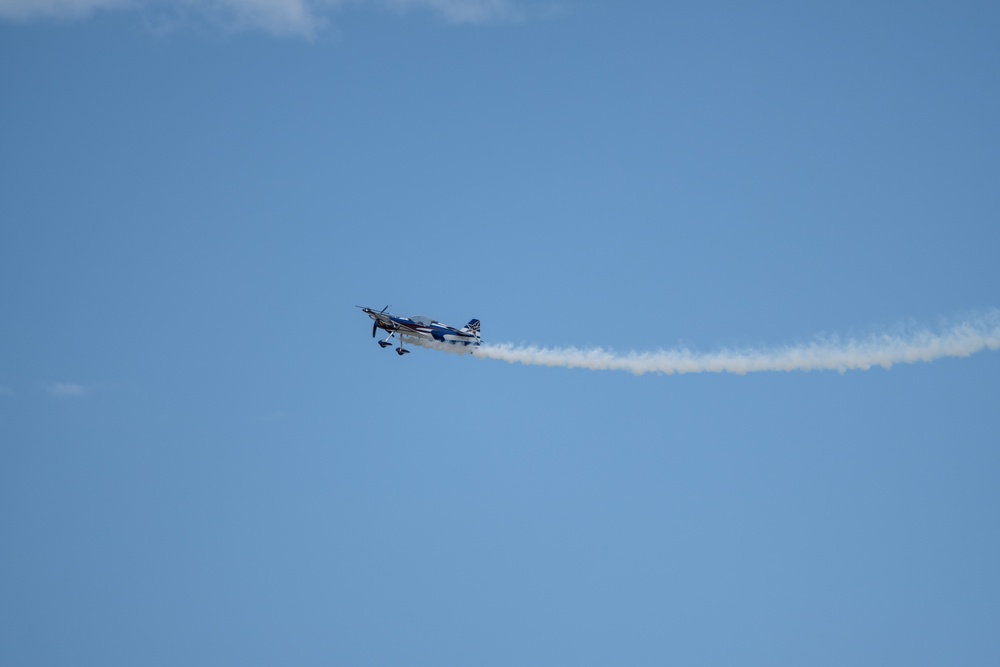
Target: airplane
{"type": "Point", "coordinates": [420, 327]}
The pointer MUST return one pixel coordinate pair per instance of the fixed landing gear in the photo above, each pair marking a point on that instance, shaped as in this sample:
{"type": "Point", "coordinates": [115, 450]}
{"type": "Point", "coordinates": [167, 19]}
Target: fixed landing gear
{"type": "Point", "coordinates": [385, 343]}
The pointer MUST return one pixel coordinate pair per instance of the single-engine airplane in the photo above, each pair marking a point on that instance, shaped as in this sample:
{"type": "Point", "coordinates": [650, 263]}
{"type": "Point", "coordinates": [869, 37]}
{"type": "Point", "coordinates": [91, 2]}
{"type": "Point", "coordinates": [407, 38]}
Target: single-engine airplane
{"type": "Point", "coordinates": [420, 326]}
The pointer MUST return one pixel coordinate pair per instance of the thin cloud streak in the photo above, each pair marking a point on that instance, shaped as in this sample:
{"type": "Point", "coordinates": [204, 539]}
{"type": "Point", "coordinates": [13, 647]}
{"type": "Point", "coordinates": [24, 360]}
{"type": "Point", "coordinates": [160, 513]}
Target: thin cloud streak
{"type": "Point", "coordinates": [465, 11]}
{"type": "Point", "coordinates": [280, 17]}
{"type": "Point", "coordinates": [68, 390]}
{"type": "Point", "coordinates": [301, 18]}
{"type": "Point", "coordinates": [885, 350]}
{"type": "Point", "coordinates": [27, 10]}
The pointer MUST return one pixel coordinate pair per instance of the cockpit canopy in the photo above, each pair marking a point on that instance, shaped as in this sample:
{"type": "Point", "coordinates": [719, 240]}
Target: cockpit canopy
{"type": "Point", "coordinates": [422, 320]}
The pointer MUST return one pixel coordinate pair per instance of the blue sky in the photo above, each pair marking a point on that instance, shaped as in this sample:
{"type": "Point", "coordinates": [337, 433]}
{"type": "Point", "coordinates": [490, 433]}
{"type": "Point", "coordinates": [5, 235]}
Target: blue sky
{"type": "Point", "coordinates": [204, 458]}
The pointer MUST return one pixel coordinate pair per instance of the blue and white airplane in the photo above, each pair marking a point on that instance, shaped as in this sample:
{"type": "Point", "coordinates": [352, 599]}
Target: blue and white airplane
{"type": "Point", "coordinates": [420, 327]}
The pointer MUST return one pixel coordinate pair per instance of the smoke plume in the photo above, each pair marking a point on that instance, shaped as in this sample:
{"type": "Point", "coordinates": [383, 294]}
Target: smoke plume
{"type": "Point", "coordinates": [828, 353]}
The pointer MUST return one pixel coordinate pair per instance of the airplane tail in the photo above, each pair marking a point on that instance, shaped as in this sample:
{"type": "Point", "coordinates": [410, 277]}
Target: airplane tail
{"type": "Point", "coordinates": [472, 327]}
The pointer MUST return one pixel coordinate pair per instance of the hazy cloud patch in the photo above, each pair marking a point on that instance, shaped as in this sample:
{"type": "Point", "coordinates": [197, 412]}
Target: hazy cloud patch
{"type": "Point", "coordinates": [26, 10]}
{"type": "Point", "coordinates": [279, 17]}
{"type": "Point", "coordinates": [302, 18]}
{"type": "Point", "coordinates": [465, 11]}
{"type": "Point", "coordinates": [68, 390]}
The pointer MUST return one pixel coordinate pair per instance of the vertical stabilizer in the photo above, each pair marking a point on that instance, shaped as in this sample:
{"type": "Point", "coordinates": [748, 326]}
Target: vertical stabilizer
{"type": "Point", "coordinates": [472, 327]}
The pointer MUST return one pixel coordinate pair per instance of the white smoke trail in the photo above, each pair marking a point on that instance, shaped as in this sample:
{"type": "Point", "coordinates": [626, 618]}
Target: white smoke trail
{"type": "Point", "coordinates": [957, 340]}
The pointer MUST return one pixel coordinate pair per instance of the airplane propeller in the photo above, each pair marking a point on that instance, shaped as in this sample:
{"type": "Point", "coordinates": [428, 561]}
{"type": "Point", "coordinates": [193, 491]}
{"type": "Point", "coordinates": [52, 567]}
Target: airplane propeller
{"type": "Point", "coordinates": [376, 322]}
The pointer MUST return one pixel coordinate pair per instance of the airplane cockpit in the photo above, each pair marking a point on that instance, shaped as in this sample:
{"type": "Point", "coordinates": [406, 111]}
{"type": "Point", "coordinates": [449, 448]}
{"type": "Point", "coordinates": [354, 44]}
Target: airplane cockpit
{"type": "Point", "coordinates": [422, 320]}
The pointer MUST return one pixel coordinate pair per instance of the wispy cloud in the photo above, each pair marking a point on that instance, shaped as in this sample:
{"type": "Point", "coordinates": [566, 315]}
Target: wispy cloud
{"type": "Point", "coordinates": [68, 390]}
{"type": "Point", "coordinates": [465, 11]}
{"type": "Point", "coordinates": [27, 10]}
{"type": "Point", "coordinates": [303, 18]}
{"type": "Point", "coordinates": [280, 17]}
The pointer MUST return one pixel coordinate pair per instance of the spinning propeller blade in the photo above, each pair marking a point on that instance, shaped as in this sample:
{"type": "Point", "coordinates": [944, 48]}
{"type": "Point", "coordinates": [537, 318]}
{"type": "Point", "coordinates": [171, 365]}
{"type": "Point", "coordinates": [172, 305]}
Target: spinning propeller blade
{"type": "Point", "coordinates": [374, 328]}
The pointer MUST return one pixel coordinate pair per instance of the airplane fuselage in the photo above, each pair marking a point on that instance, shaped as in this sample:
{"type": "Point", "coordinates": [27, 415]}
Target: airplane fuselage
{"type": "Point", "coordinates": [423, 327]}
